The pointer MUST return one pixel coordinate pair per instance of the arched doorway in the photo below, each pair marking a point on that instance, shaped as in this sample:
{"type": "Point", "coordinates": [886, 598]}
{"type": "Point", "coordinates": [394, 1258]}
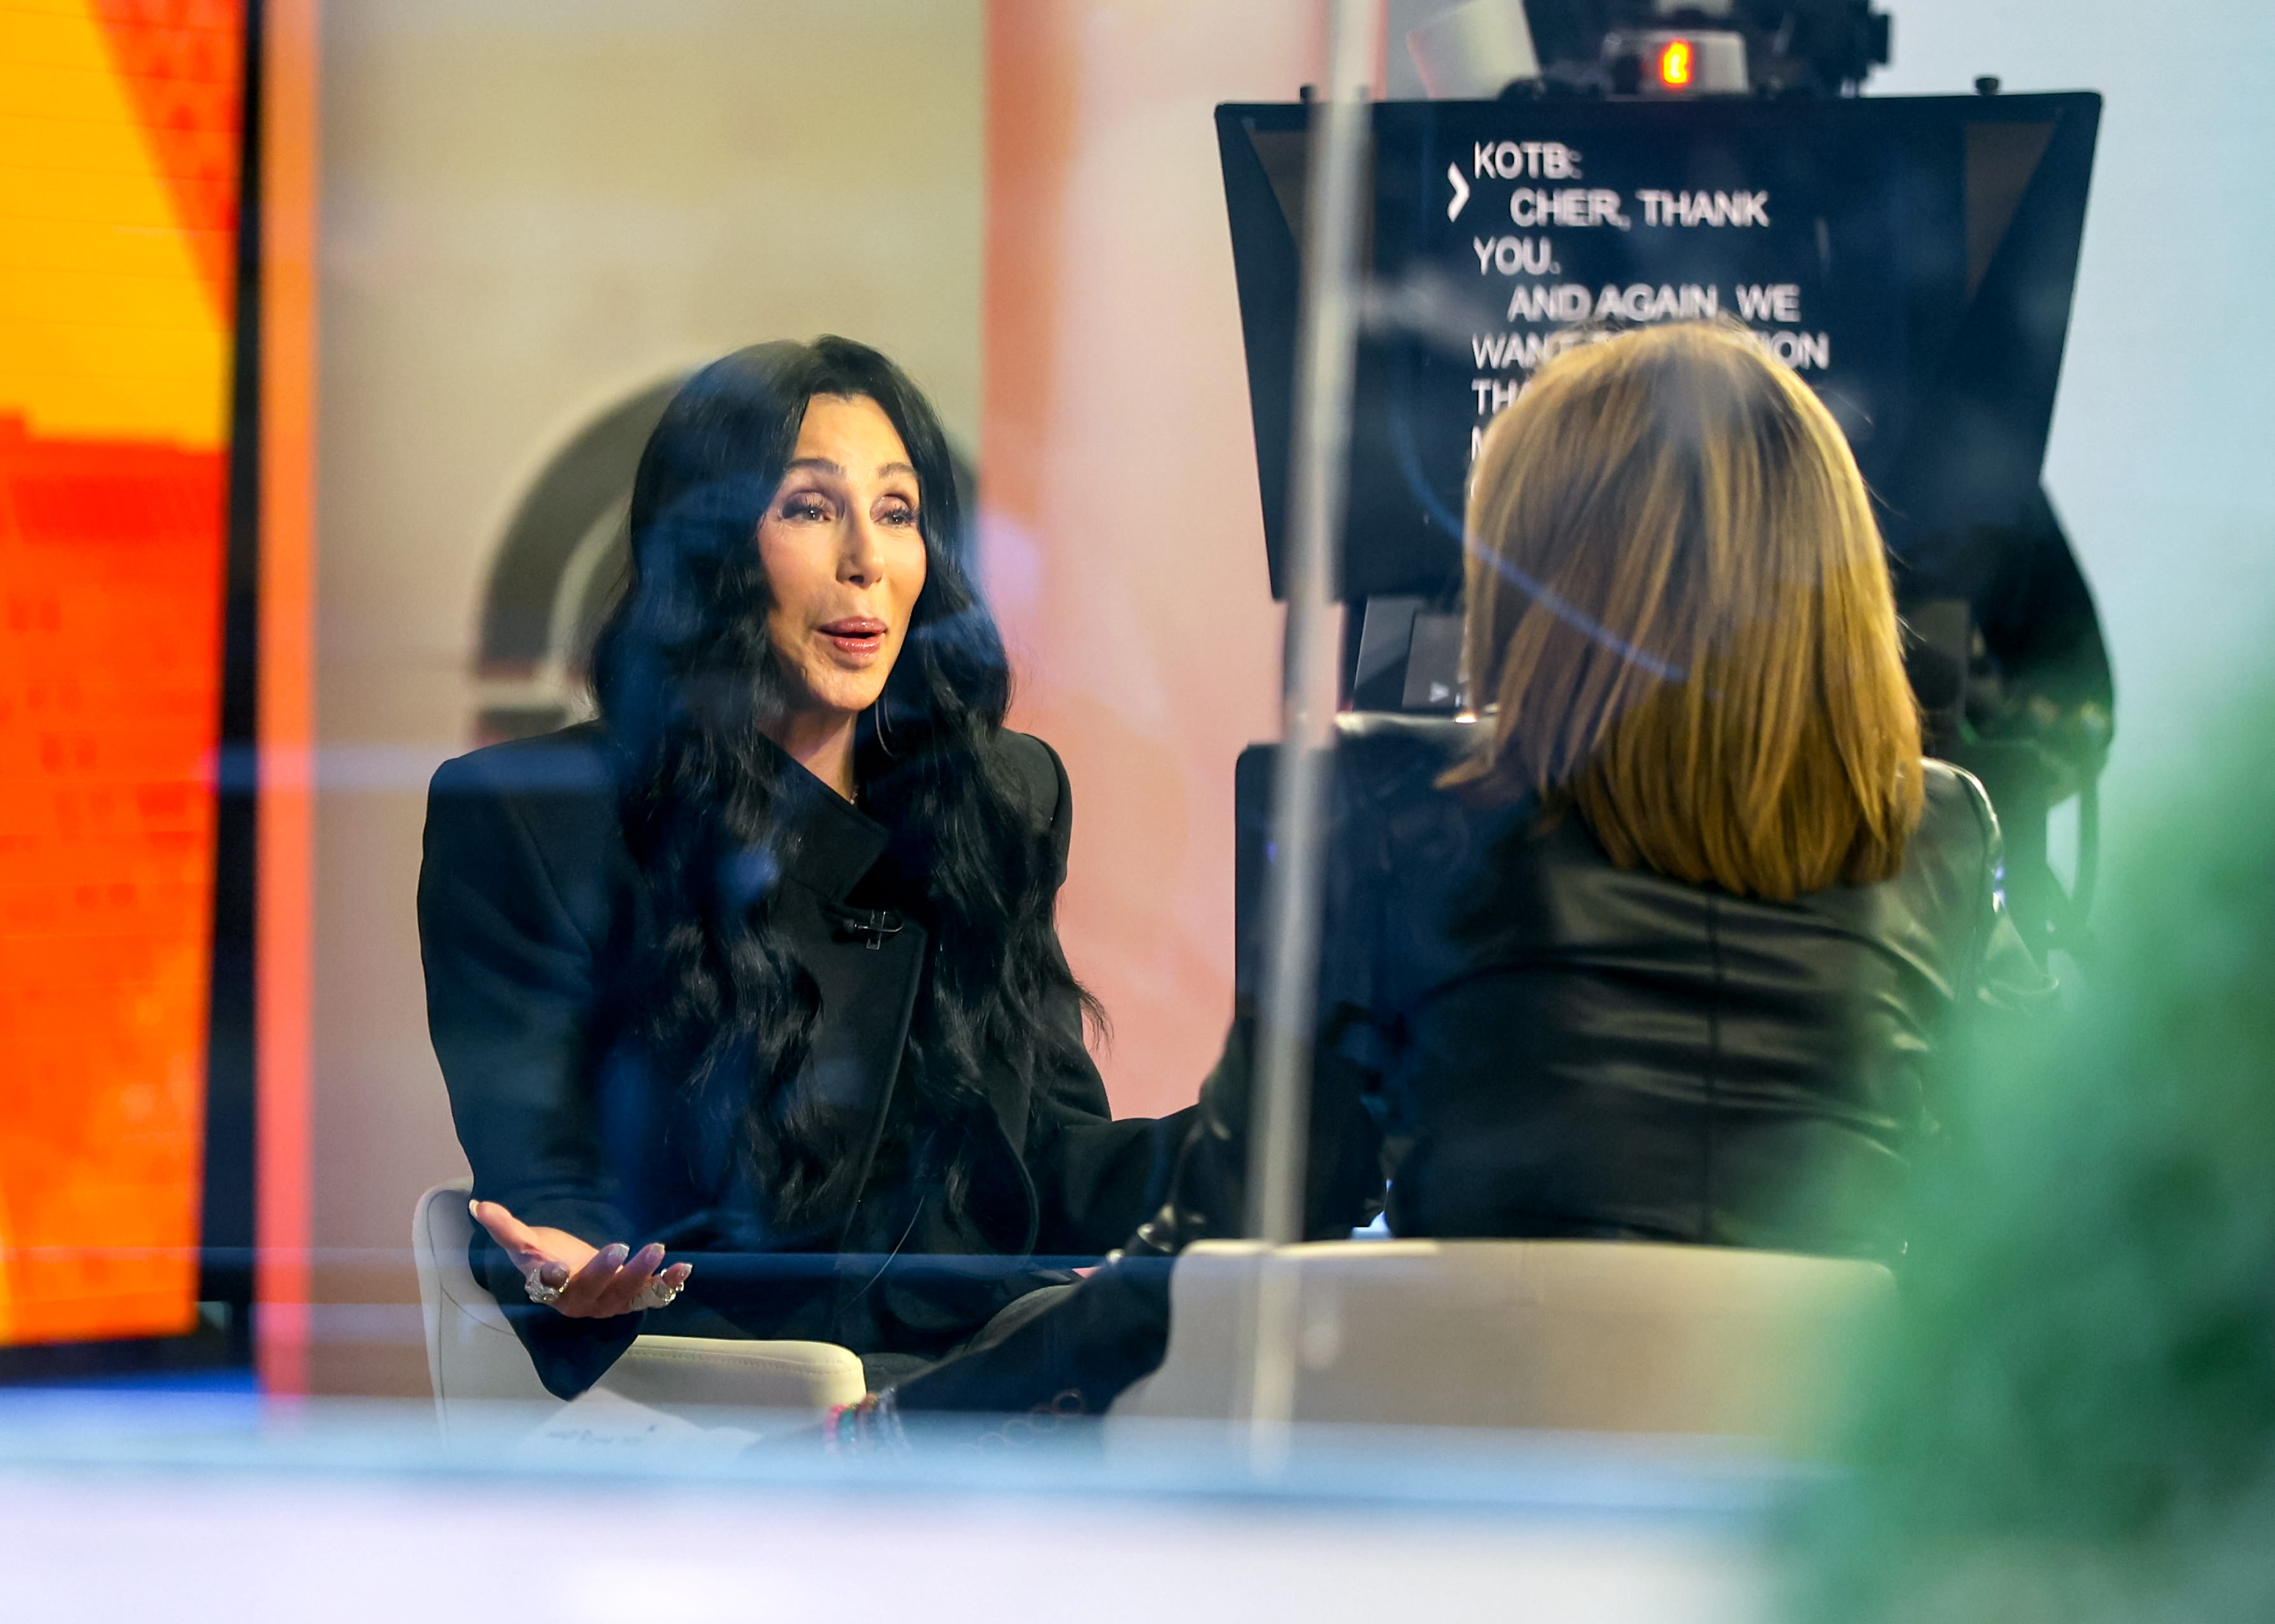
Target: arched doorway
{"type": "Point", "coordinates": [556, 573]}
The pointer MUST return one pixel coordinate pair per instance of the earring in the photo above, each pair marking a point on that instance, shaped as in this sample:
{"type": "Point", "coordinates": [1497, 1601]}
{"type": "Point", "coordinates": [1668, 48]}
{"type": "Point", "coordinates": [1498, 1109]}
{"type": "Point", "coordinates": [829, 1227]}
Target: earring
{"type": "Point", "coordinates": [884, 742]}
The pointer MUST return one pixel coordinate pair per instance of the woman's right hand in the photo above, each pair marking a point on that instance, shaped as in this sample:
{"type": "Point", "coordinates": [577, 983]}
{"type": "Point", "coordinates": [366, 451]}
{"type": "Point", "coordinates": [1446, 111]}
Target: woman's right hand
{"type": "Point", "coordinates": [594, 1282]}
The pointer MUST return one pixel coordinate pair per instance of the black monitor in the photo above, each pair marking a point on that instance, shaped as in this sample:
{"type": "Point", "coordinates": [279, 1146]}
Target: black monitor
{"type": "Point", "coordinates": [1913, 258]}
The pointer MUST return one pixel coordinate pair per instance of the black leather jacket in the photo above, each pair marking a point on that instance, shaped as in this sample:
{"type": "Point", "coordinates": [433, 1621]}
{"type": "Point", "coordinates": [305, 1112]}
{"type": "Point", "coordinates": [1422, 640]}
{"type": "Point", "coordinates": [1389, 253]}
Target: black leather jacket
{"type": "Point", "coordinates": [1531, 1042]}
{"type": "Point", "coordinates": [1557, 1046]}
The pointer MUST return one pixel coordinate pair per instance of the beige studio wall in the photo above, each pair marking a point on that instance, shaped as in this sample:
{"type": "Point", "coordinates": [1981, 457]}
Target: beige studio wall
{"type": "Point", "coordinates": [531, 209]}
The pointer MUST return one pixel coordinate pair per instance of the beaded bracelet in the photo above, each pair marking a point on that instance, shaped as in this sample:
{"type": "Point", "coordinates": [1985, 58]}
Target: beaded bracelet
{"type": "Point", "coordinates": [867, 1426]}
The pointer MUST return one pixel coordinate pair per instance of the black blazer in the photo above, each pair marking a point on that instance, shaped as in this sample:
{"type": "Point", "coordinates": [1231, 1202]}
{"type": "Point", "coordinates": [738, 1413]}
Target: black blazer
{"type": "Point", "coordinates": [531, 913]}
{"type": "Point", "coordinates": [1517, 1038]}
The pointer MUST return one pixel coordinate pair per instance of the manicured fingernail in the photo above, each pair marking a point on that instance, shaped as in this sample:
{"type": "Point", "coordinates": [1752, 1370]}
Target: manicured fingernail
{"type": "Point", "coordinates": [475, 1207]}
{"type": "Point", "coordinates": [616, 1253]}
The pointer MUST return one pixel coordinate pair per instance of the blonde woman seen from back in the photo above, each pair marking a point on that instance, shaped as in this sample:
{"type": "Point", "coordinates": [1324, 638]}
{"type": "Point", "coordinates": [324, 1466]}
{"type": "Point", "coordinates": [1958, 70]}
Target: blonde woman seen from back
{"type": "Point", "coordinates": [1680, 612]}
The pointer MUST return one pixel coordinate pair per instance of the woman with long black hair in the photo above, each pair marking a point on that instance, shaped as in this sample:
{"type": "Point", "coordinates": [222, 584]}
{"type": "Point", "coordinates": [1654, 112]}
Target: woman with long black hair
{"type": "Point", "coordinates": [759, 970]}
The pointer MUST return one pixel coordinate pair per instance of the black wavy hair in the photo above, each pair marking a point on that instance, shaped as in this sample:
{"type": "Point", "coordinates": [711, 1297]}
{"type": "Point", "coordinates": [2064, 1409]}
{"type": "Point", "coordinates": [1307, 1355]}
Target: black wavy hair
{"type": "Point", "coordinates": [686, 683]}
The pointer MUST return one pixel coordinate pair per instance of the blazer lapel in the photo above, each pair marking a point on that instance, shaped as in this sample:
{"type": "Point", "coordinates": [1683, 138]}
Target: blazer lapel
{"type": "Point", "coordinates": [866, 963]}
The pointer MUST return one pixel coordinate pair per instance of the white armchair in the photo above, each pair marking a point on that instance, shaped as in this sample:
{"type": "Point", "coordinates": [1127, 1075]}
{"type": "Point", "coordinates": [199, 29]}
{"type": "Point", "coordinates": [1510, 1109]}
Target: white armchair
{"type": "Point", "coordinates": [1581, 1335]}
{"type": "Point", "coordinates": [479, 1368]}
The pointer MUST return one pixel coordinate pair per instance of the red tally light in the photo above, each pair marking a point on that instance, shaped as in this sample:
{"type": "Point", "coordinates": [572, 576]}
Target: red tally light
{"type": "Point", "coordinates": [1674, 64]}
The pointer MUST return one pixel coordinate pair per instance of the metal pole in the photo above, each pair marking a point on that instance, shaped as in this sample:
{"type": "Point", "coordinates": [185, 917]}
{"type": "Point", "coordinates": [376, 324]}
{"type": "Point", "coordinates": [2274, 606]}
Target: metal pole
{"type": "Point", "coordinates": [1326, 359]}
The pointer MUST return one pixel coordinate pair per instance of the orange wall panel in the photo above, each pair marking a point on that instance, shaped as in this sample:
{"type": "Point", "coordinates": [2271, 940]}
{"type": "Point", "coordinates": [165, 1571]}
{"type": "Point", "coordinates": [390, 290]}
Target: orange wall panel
{"type": "Point", "coordinates": [1121, 533]}
{"type": "Point", "coordinates": [284, 994]}
{"type": "Point", "coordinates": [118, 123]}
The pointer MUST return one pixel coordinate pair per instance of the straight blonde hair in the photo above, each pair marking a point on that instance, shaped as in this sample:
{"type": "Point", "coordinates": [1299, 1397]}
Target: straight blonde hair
{"type": "Point", "coordinates": [1679, 605]}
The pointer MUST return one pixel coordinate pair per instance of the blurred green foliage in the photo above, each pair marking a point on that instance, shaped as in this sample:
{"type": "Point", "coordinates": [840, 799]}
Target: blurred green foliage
{"type": "Point", "coordinates": [2076, 1418]}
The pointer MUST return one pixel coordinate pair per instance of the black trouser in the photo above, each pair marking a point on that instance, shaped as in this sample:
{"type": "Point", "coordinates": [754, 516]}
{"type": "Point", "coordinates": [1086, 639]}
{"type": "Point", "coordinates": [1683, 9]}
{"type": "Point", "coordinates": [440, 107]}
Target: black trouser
{"type": "Point", "coordinates": [1071, 1356]}
{"type": "Point", "coordinates": [881, 1371]}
